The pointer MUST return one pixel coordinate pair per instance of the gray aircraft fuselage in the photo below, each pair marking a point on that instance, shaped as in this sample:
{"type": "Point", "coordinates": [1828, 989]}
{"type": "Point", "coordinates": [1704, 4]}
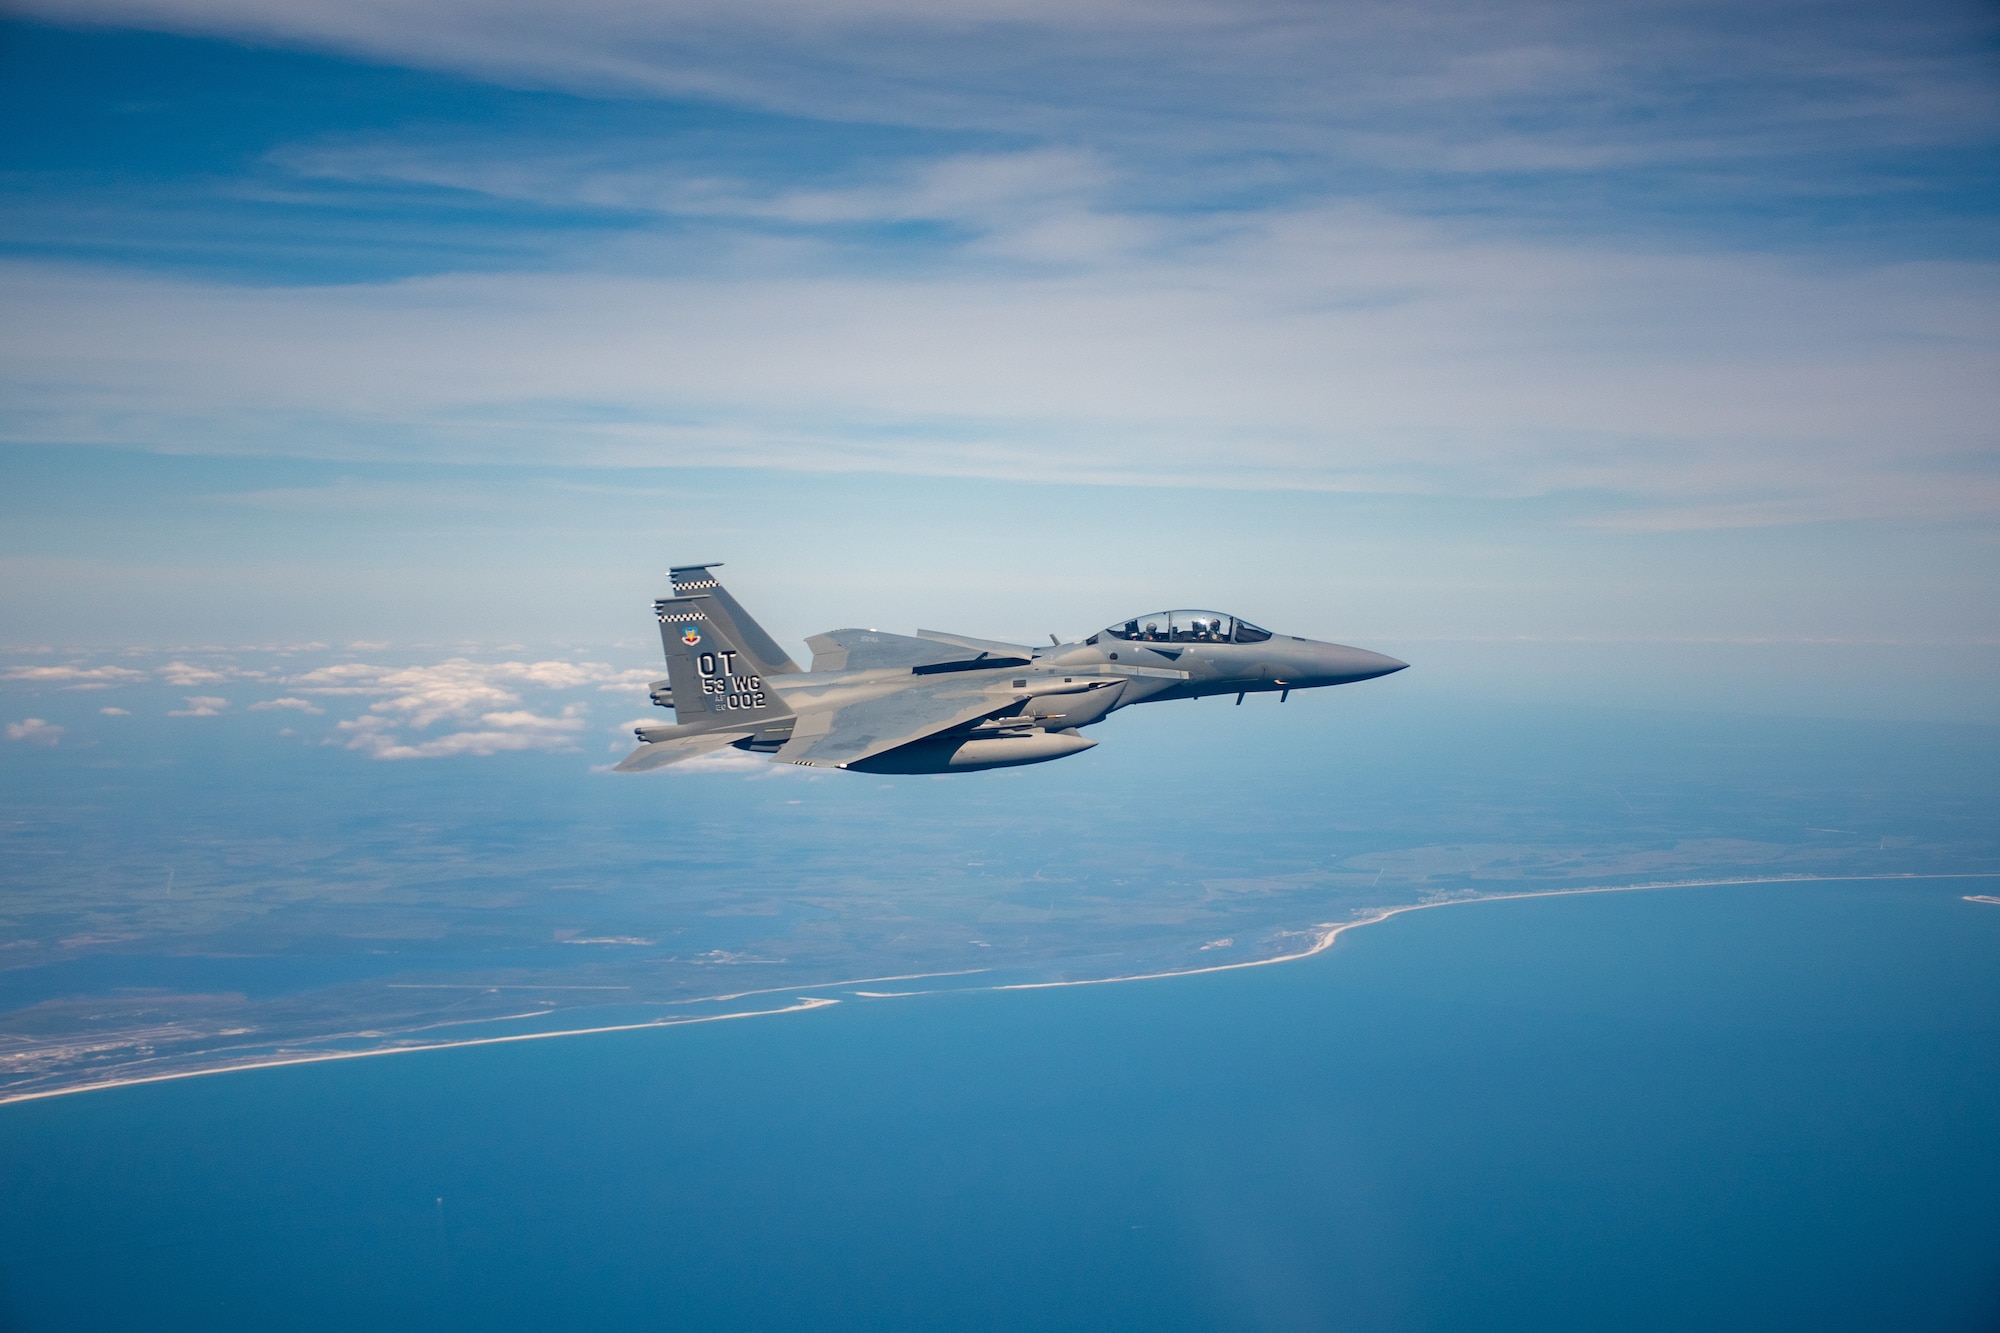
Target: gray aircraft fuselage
{"type": "Point", "coordinates": [1284, 662]}
{"type": "Point", "coordinates": [942, 703]}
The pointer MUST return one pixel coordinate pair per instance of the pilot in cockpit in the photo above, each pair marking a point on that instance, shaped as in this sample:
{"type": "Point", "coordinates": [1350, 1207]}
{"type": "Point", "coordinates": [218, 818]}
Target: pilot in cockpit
{"type": "Point", "coordinates": [1187, 627]}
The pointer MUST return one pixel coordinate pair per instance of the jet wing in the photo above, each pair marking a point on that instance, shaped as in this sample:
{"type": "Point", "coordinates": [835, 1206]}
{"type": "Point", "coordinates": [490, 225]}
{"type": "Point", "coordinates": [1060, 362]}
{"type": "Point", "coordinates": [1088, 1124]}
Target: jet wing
{"type": "Point", "coordinates": [835, 736]}
{"type": "Point", "coordinates": [872, 650]}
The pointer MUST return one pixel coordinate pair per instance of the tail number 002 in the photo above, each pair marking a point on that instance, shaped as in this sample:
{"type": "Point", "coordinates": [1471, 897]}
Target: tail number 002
{"type": "Point", "coordinates": [726, 689]}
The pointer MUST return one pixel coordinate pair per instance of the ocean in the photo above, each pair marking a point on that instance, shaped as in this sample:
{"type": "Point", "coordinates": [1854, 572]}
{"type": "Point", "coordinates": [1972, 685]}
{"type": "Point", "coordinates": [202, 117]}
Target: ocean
{"type": "Point", "coordinates": [1744, 1107]}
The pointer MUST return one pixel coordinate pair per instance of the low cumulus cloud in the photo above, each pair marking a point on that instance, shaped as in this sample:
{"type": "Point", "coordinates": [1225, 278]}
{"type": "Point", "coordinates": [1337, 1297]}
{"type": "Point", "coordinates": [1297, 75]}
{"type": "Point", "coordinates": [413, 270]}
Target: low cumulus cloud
{"type": "Point", "coordinates": [185, 675]}
{"type": "Point", "coordinates": [35, 731]}
{"type": "Point", "coordinates": [298, 705]}
{"type": "Point", "coordinates": [74, 677]}
{"type": "Point", "coordinates": [490, 733]}
{"type": "Point", "coordinates": [480, 701]}
{"type": "Point", "coordinates": [425, 711]}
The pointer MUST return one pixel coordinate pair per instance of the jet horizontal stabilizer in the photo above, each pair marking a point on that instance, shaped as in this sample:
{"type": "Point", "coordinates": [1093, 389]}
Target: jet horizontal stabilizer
{"type": "Point", "coordinates": [660, 753]}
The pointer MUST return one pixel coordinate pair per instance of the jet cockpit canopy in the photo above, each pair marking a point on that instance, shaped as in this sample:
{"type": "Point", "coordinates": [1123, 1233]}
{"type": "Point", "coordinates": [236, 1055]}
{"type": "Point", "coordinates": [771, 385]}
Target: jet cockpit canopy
{"type": "Point", "coordinates": [1187, 627]}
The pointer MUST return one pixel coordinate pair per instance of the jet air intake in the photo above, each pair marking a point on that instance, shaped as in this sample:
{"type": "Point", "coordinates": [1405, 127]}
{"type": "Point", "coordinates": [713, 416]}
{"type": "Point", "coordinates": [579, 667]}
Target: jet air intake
{"type": "Point", "coordinates": [1064, 707]}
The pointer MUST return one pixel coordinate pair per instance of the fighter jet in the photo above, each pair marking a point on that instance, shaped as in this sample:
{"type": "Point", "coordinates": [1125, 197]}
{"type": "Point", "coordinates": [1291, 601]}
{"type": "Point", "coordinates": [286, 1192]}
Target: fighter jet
{"type": "Point", "coordinates": [947, 703]}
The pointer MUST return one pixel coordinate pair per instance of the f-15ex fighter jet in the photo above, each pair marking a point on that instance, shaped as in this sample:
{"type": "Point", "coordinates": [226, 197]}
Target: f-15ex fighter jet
{"type": "Point", "coordinates": [945, 703]}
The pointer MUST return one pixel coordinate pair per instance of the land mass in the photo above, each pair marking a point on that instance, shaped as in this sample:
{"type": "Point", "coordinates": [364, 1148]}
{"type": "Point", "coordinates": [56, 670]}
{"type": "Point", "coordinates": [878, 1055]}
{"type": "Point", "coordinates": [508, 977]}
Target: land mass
{"type": "Point", "coordinates": [113, 1060]}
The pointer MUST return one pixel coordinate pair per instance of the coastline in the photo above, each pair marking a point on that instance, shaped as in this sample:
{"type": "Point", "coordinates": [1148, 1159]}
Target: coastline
{"type": "Point", "coordinates": [1323, 937]}
{"type": "Point", "coordinates": [1329, 932]}
{"type": "Point", "coordinates": [321, 1057]}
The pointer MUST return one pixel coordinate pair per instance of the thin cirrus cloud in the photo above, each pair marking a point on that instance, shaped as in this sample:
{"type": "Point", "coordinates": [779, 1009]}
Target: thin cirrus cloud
{"type": "Point", "coordinates": [1431, 249]}
{"type": "Point", "coordinates": [1395, 78]}
{"type": "Point", "coordinates": [1334, 349]}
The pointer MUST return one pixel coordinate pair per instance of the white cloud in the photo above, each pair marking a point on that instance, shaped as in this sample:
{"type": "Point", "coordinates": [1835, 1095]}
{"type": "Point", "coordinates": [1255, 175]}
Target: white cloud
{"type": "Point", "coordinates": [1593, 80]}
{"type": "Point", "coordinates": [494, 733]}
{"type": "Point", "coordinates": [1091, 314]}
{"type": "Point", "coordinates": [302, 705]}
{"type": "Point", "coordinates": [34, 731]}
{"type": "Point", "coordinates": [201, 705]}
{"type": "Point", "coordinates": [74, 677]}
{"type": "Point", "coordinates": [115, 712]}
{"type": "Point", "coordinates": [341, 678]}
{"type": "Point", "coordinates": [482, 698]}
{"type": "Point", "coordinates": [184, 674]}
{"type": "Point", "coordinates": [1017, 201]}
{"type": "Point", "coordinates": [1336, 349]}
{"type": "Point", "coordinates": [423, 695]}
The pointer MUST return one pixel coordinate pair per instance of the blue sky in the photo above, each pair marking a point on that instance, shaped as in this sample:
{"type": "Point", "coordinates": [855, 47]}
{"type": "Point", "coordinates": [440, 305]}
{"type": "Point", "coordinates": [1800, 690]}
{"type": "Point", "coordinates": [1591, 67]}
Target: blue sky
{"type": "Point", "coordinates": [1667, 322]}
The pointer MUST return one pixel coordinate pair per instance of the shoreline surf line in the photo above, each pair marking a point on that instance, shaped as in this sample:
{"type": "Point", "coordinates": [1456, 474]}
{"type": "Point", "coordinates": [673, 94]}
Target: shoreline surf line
{"type": "Point", "coordinates": [1331, 931]}
{"type": "Point", "coordinates": [322, 1057]}
{"type": "Point", "coordinates": [1327, 934]}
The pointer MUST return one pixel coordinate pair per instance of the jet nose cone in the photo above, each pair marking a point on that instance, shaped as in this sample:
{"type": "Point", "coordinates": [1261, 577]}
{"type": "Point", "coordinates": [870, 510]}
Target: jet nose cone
{"type": "Point", "coordinates": [1347, 664]}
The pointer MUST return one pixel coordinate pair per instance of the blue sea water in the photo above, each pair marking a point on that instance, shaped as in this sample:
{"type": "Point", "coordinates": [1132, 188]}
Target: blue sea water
{"type": "Point", "coordinates": [1754, 1107]}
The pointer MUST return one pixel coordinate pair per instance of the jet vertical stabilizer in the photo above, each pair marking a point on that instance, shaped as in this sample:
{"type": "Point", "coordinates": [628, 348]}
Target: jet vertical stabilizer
{"type": "Point", "coordinates": [697, 581]}
{"type": "Point", "coordinates": [716, 683]}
